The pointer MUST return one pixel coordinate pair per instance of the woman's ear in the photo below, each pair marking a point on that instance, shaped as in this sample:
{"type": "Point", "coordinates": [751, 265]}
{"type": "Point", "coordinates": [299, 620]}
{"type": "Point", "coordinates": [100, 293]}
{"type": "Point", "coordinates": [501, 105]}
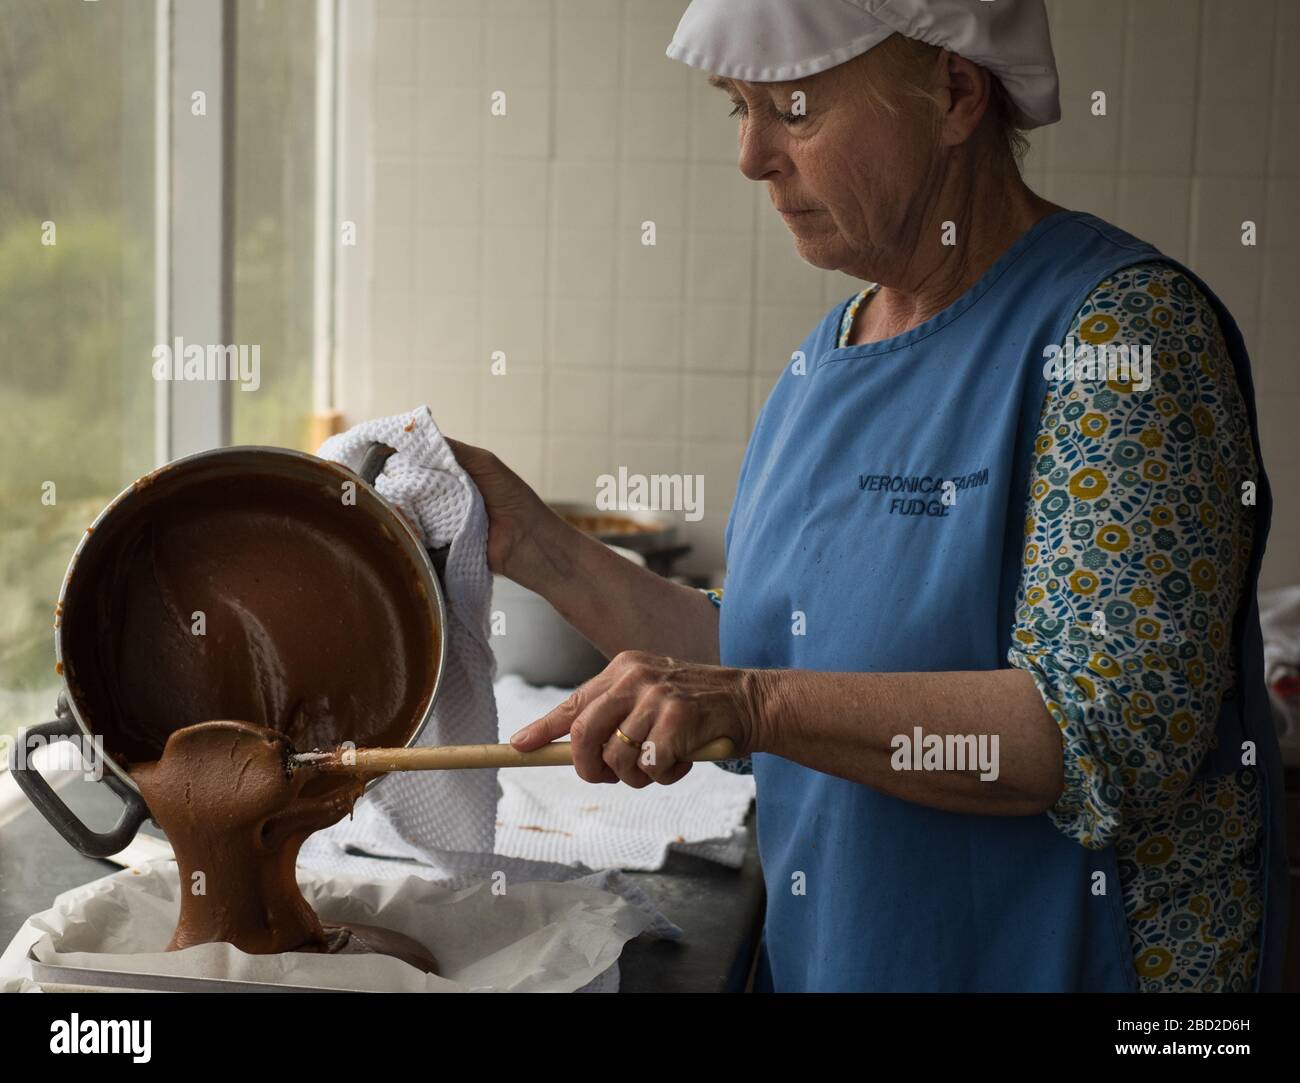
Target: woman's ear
{"type": "Point", "coordinates": [963, 97]}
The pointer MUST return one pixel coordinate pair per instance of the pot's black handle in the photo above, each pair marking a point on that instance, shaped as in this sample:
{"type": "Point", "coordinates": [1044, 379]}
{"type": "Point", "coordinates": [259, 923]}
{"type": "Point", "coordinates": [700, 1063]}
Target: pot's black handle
{"type": "Point", "coordinates": [372, 465]}
{"type": "Point", "coordinates": [51, 806]}
{"type": "Point", "coordinates": [372, 462]}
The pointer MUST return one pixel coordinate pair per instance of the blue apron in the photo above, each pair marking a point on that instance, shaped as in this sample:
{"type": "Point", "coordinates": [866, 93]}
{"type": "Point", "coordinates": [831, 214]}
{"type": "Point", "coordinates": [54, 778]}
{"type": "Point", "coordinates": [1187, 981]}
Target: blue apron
{"type": "Point", "coordinates": [881, 576]}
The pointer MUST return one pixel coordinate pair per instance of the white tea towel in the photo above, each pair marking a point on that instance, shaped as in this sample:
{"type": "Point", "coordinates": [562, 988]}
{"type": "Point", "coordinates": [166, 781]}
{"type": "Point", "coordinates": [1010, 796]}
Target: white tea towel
{"type": "Point", "coordinates": [418, 814]}
{"type": "Point", "coordinates": [1279, 622]}
{"type": "Point", "coordinates": [550, 814]}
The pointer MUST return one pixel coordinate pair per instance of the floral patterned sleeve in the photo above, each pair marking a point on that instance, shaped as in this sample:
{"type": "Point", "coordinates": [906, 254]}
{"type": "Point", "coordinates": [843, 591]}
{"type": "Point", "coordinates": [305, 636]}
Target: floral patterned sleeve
{"type": "Point", "coordinates": [1136, 547]}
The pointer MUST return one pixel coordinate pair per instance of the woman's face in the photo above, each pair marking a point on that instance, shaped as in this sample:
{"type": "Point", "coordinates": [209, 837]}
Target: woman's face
{"type": "Point", "coordinates": [853, 183]}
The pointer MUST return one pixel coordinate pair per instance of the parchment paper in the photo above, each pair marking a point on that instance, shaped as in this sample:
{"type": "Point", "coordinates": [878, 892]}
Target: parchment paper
{"type": "Point", "coordinates": [535, 937]}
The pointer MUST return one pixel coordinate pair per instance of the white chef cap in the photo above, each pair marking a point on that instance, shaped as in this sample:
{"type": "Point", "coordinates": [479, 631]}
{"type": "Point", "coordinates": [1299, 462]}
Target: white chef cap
{"type": "Point", "coordinates": [771, 41]}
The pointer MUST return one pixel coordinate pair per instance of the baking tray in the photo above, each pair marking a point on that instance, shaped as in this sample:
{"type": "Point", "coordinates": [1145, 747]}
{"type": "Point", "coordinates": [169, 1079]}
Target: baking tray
{"type": "Point", "coordinates": [122, 981]}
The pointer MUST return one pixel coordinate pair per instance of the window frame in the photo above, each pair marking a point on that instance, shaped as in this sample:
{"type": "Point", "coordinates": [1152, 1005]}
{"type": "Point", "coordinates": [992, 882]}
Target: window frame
{"type": "Point", "coordinates": [195, 162]}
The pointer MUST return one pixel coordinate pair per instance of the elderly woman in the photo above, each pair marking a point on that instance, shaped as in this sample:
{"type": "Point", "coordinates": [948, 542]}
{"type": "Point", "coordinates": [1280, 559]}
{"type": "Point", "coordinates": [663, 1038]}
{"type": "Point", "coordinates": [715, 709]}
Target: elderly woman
{"type": "Point", "coordinates": [988, 634]}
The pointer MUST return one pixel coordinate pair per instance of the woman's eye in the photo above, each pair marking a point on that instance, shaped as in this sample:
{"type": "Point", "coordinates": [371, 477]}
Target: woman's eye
{"type": "Point", "coordinates": [737, 109]}
{"type": "Point", "coordinates": [791, 118]}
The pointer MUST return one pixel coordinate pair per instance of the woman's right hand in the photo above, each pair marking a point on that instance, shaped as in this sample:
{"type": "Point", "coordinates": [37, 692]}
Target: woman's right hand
{"type": "Point", "coordinates": [519, 522]}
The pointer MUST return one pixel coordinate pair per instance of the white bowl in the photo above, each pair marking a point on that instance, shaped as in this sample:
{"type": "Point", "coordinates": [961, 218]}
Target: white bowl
{"type": "Point", "coordinates": [538, 644]}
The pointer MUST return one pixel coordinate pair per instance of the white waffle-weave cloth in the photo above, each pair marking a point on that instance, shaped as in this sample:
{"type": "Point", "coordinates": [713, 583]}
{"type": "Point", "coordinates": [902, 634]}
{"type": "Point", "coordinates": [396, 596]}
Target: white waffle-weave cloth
{"type": "Point", "coordinates": [421, 814]}
{"type": "Point", "coordinates": [550, 814]}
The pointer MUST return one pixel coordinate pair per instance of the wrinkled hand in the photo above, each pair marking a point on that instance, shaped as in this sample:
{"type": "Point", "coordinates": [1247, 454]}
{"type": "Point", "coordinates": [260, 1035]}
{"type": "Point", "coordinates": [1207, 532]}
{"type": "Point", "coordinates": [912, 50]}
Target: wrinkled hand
{"type": "Point", "coordinates": [514, 510]}
{"type": "Point", "coordinates": [666, 709]}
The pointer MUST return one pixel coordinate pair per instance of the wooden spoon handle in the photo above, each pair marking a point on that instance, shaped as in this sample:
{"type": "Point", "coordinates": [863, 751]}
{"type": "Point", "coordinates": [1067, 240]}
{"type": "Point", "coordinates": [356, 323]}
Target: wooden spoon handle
{"type": "Point", "coordinates": [460, 757]}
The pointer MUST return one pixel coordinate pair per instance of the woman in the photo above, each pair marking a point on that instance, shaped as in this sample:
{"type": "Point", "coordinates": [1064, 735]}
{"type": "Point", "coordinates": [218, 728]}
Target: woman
{"type": "Point", "coordinates": [988, 635]}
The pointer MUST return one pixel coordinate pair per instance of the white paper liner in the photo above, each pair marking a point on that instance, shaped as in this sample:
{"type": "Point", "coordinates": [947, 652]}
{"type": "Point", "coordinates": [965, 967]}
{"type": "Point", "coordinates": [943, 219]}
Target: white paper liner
{"type": "Point", "coordinates": [535, 937]}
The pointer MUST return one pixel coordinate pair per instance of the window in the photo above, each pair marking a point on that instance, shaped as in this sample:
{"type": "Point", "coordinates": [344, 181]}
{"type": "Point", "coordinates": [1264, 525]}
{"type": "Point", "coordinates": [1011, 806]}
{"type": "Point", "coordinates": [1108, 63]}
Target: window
{"type": "Point", "coordinates": [274, 154]}
{"type": "Point", "coordinates": [116, 235]}
{"type": "Point", "coordinates": [76, 305]}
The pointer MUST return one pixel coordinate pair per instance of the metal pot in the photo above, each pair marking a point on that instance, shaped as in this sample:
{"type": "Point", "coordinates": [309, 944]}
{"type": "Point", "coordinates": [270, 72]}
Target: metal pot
{"type": "Point", "coordinates": [72, 711]}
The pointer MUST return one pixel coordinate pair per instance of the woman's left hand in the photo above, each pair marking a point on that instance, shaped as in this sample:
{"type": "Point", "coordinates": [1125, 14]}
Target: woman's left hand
{"type": "Point", "coordinates": [640, 718]}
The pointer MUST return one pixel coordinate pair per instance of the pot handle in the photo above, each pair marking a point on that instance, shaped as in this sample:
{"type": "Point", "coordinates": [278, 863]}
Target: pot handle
{"type": "Point", "coordinates": [51, 806]}
{"type": "Point", "coordinates": [372, 465]}
{"type": "Point", "coordinates": [372, 462]}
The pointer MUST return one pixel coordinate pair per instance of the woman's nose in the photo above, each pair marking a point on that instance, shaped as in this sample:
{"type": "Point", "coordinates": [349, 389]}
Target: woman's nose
{"type": "Point", "coordinates": [759, 159]}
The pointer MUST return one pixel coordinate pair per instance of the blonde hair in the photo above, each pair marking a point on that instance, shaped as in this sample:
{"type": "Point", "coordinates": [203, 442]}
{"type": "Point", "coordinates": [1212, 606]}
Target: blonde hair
{"type": "Point", "coordinates": [899, 67]}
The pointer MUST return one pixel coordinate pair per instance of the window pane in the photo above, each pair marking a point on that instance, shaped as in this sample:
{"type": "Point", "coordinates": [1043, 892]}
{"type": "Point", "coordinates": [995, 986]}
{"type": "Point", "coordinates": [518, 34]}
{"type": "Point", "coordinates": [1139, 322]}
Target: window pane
{"type": "Point", "coordinates": [76, 304]}
{"type": "Point", "coordinates": [275, 125]}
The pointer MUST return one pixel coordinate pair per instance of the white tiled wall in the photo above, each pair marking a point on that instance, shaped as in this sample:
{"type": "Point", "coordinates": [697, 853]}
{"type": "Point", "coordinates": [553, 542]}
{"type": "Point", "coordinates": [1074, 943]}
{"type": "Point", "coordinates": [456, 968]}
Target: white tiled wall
{"type": "Point", "coordinates": [522, 233]}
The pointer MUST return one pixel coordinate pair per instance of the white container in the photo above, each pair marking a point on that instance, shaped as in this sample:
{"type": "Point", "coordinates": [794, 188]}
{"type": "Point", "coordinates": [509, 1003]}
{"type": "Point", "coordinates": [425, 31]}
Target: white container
{"type": "Point", "coordinates": [539, 644]}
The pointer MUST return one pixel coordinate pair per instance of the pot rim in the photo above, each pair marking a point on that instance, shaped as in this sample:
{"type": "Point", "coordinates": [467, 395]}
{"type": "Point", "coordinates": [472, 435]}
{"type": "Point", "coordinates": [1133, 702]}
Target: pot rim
{"type": "Point", "coordinates": [412, 544]}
